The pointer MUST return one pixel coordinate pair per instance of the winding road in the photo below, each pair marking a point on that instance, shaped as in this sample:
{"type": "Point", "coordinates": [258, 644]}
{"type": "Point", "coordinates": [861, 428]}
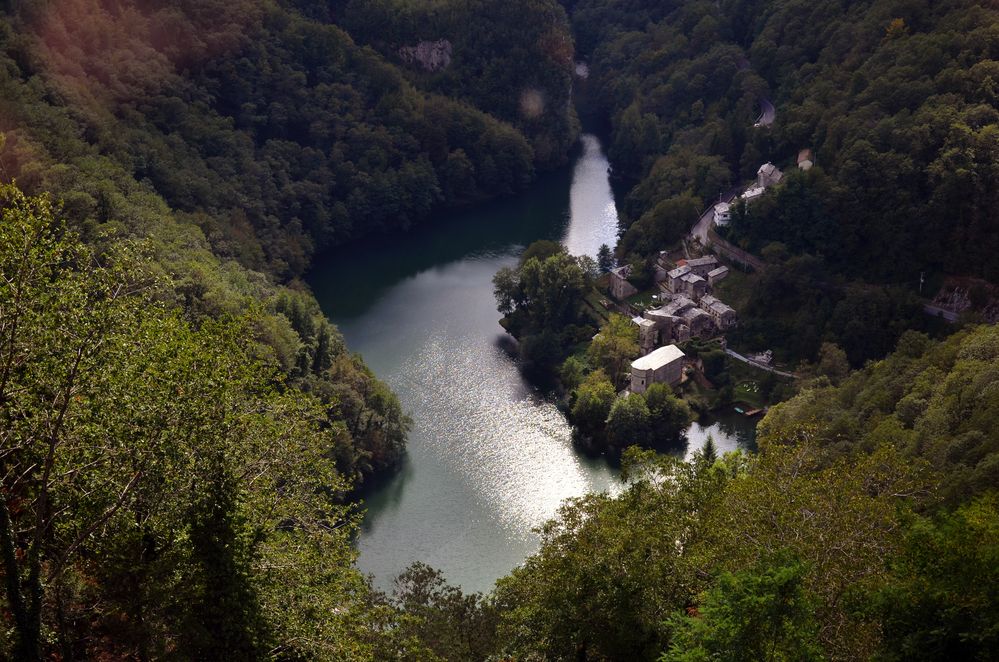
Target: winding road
{"type": "Point", "coordinates": [700, 229]}
{"type": "Point", "coordinates": [767, 113]}
{"type": "Point", "coordinates": [756, 364]}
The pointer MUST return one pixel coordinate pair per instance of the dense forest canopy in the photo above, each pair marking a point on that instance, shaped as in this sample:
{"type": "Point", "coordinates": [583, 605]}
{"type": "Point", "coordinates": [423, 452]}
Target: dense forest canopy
{"type": "Point", "coordinates": [181, 428]}
{"type": "Point", "coordinates": [275, 134]}
{"type": "Point", "coordinates": [894, 98]}
{"type": "Point", "coordinates": [891, 98]}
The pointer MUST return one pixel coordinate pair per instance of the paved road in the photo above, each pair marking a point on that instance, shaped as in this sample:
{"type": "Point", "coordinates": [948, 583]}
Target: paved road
{"type": "Point", "coordinates": [700, 229]}
{"type": "Point", "coordinates": [768, 113]}
{"type": "Point", "coordinates": [937, 311]}
{"type": "Point", "coordinates": [756, 364]}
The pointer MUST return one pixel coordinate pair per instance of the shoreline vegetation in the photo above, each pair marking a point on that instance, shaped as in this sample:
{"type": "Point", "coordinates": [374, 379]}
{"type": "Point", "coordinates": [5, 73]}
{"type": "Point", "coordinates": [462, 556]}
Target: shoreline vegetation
{"type": "Point", "coordinates": [181, 424]}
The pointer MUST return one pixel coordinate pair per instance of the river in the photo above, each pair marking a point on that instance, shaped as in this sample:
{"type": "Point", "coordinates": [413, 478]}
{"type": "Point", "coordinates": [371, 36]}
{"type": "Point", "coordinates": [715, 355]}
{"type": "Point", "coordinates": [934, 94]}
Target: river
{"type": "Point", "coordinates": [489, 458]}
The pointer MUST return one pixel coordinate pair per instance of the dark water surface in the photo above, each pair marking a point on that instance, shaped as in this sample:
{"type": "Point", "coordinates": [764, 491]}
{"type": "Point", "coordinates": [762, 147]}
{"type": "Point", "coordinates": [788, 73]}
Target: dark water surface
{"type": "Point", "coordinates": [489, 458]}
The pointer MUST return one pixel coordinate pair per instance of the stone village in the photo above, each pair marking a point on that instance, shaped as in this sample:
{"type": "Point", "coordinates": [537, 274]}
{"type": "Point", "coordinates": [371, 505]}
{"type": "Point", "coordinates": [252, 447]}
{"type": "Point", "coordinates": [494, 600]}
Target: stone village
{"type": "Point", "coordinates": [687, 307]}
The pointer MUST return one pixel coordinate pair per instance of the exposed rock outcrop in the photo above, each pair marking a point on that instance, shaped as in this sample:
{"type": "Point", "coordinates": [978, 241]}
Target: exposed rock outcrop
{"type": "Point", "coordinates": [430, 55]}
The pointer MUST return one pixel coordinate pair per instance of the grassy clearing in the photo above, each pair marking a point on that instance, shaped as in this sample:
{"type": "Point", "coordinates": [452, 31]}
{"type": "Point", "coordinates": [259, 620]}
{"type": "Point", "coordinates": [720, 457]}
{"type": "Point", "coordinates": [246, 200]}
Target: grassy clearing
{"type": "Point", "coordinates": [645, 298]}
{"type": "Point", "coordinates": [736, 288]}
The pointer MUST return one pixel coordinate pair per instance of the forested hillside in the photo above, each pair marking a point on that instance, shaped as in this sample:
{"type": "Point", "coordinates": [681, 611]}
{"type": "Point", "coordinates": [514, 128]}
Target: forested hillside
{"type": "Point", "coordinates": [276, 135]}
{"type": "Point", "coordinates": [181, 428]}
{"type": "Point", "coordinates": [181, 425]}
{"type": "Point", "coordinates": [867, 527]}
{"type": "Point", "coordinates": [893, 98]}
{"type": "Point", "coordinates": [513, 60]}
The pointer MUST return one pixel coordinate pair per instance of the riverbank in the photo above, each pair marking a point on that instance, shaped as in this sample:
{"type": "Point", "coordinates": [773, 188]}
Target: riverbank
{"type": "Point", "coordinates": [489, 457]}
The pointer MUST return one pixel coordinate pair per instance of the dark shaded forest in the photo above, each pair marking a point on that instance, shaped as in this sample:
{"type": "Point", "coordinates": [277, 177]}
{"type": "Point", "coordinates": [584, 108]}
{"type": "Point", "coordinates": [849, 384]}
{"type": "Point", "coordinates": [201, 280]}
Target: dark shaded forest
{"type": "Point", "coordinates": [894, 100]}
{"type": "Point", "coordinates": [181, 429]}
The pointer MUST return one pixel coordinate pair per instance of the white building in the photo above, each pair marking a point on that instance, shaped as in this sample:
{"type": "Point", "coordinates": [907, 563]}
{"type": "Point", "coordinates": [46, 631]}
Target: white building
{"type": "Point", "coordinates": [723, 214]}
{"type": "Point", "coordinates": [753, 193]}
{"type": "Point", "coordinates": [663, 366]}
{"type": "Point", "coordinates": [806, 159]}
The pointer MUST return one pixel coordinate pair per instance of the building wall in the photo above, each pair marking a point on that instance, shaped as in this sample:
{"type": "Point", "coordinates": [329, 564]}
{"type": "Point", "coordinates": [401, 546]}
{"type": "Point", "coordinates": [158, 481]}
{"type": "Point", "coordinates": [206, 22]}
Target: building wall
{"type": "Point", "coordinates": [621, 288]}
{"type": "Point", "coordinates": [671, 374]}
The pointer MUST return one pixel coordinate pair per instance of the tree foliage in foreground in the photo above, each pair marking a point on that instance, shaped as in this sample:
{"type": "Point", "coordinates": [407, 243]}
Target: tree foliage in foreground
{"type": "Point", "coordinates": [757, 614]}
{"type": "Point", "coordinates": [164, 494]}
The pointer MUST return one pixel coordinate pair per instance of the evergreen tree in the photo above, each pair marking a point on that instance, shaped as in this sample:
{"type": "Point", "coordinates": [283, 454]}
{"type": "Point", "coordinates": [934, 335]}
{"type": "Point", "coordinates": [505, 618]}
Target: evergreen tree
{"type": "Point", "coordinates": [605, 258]}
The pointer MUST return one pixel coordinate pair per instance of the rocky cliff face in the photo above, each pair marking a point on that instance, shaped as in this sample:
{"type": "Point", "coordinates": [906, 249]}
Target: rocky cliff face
{"type": "Point", "coordinates": [430, 55]}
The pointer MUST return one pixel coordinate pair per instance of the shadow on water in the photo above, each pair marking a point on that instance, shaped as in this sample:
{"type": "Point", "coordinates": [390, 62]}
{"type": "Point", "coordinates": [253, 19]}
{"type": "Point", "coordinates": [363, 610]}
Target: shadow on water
{"type": "Point", "coordinates": [389, 488]}
{"type": "Point", "coordinates": [349, 280]}
{"type": "Point", "coordinates": [490, 458]}
{"type": "Point", "coordinates": [729, 431]}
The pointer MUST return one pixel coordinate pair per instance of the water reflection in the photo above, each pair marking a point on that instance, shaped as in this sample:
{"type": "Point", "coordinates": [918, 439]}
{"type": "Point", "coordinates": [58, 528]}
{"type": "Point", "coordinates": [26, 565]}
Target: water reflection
{"type": "Point", "coordinates": [489, 458]}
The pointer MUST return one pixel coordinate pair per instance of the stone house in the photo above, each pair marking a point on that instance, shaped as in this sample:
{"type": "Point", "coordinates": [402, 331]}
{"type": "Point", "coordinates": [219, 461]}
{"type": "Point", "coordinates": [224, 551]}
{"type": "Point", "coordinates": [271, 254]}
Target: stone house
{"type": "Point", "coordinates": [673, 283]}
{"type": "Point", "coordinates": [702, 265]}
{"type": "Point", "coordinates": [620, 288]}
{"type": "Point", "coordinates": [648, 334]}
{"type": "Point", "coordinates": [768, 175]}
{"type": "Point", "coordinates": [717, 274]}
{"type": "Point", "coordinates": [693, 286]}
{"type": "Point", "coordinates": [723, 315]}
{"type": "Point", "coordinates": [677, 304]}
{"type": "Point", "coordinates": [663, 366]}
{"type": "Point", "coordinates": [699, 321]}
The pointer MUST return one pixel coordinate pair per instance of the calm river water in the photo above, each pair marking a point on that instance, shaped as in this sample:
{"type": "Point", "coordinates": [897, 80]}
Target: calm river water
{"type": "Point", "coordinates": [489, 458]}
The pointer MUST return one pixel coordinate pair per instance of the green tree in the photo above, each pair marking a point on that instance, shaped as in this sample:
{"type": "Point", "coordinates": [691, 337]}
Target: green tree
{"type": "Point", "coordinates": [941, 600]}
{"type": "Point", "coordinates": [594, 398]}
{"type": "Point", "coordinates": [759, 614]}
{"type": "Point", "coordinates": [670, 416]}
{"type": "Point", "coordinates": [609, 568]}
{"type": "Point", "coordinates": [160, 483]}
{"type": "Point", "coordinates": [453, 625]}
{"type": "Point", "coordinates": [605, 258]}
{"type": "Point", "coordinates": [630, 422]}
{"type": "Point", "coordinates": [615, 347]}
{"type": "Point", "coordinates": [572, 373]}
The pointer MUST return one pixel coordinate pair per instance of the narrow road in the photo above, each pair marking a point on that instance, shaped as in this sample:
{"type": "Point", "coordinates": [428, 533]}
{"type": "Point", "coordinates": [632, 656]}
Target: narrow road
{"type": "Point", "coordinates": [700, 229]}
{"type": "Point", "coordinates": [755, 364]}
{"type": "Point", "coordinates": [768, 113]}
{"type": "Point", "coordinates": [937, 311]}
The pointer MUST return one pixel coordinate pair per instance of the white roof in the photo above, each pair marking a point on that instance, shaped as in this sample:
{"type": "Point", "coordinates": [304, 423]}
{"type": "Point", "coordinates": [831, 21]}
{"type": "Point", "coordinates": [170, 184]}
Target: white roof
{"type": "Point", "coordinates": [624, 271]}
{"type": "Point", "coordinates": [720, 270]}
{"type": "Point", "coordinates": [659, 358]}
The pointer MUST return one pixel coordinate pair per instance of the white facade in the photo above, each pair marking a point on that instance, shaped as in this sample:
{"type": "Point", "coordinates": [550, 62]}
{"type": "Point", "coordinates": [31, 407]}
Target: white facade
{"type": "Point", "coordinates": [663, 366]}
{"type": "Point", "coordinates": [723, 214]}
